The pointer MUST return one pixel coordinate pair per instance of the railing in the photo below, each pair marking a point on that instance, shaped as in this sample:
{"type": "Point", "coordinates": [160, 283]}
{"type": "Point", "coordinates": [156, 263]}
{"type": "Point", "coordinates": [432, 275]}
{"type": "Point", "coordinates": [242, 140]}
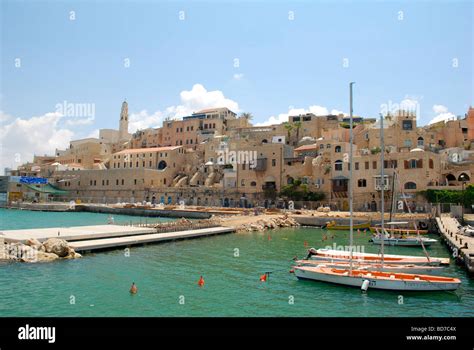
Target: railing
{"type": "Point", "coordinates": [174, 226]}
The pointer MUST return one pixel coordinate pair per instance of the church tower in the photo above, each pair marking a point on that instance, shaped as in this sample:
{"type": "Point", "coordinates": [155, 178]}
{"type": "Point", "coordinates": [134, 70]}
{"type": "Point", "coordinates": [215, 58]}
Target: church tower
{"type": "Point", "coordinates": [123, 129]}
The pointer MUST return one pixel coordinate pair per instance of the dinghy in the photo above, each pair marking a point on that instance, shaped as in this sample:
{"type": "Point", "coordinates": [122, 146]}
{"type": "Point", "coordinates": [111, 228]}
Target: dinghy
{"type": "Point", "coordinates": [403, 268]}
{"type": "Point", "coordinates": [377, 279]}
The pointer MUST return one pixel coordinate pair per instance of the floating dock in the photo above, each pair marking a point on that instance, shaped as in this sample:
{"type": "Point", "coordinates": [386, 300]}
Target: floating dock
{"type": "Point", "coordinates": [108, 243]}
{"type": "Point", "coordinates": [462, 246]}
{"type": "Point", "coordinates": [74, 233]}
{"type": "Point", "coordinates": [88, 238]}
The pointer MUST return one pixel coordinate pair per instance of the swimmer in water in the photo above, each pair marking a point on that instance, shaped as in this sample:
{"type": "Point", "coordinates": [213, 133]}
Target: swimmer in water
{"type": "Point", "coordinates": [111, 220]}
{"type": "Point", "coordinates": [133, 288]}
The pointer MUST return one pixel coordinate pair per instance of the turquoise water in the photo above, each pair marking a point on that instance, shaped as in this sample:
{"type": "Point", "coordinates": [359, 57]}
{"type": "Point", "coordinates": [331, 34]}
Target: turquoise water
{"type": "Point", "coordinates": [167, 273]}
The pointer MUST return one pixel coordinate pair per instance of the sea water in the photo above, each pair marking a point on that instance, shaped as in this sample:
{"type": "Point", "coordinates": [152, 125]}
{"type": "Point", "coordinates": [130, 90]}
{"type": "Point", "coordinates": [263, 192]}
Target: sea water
{"type": "Point", "coordinates": [167, 276]}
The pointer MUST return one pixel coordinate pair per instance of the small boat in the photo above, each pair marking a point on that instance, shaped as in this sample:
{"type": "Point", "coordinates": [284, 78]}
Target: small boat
{"type": "Point", "coordinates": [399, 239]}
{"type": "Point", "coordinates": [407, 231]}
{"type": "Point", "coordinates": [377, 258]}
{"type": "Point", "coordinates": [333, 226]}
{"type": "Point", "coordinates": [377, 279]}
{"type": "Point", "coordinates": [404, 268]}
{"type": "Point", "coordinates": [403, 242]}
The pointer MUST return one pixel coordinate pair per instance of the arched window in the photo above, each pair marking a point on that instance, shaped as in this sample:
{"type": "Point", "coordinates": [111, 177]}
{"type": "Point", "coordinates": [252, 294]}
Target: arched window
{"type": "Point", "coordinates": [431, 163]}
{"type": "Point", "coordinates": [420, 141]}
{"type": "Point", "coordinates": [450, 177]}
{"type": "Point", "coordinates": [264, 141]}
{"type": "Point", "coordinates": [362, 183]}
{"type": "Point", "coordinates": [410, 186]}
{"type": "Point", "coordinates": [162, 165]}
{"type": "Point", "coordinates": [338, 165]}
{"type": "Point", "coordinates": [463, 177]}
{"type": "Point", "coordinates": [253, 184]}
{"type": "Point", "coordinates": [337, 149]}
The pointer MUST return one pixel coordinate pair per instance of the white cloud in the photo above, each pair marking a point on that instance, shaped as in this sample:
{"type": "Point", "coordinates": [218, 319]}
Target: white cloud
{"type": "Point", "coordinates": [442, 114]}
{"type": "Point", "coordinates": [238, 76]}
{"type": "Point", "coordinates": [22, 138]}
{"type": "Point", "coordinates": [143, 120]}
{"type": "Point", "coordinates": [439, 109]}
{"type": "Point", "coordinates": [283, 117]}
{"type": "Point", "coordinates": [191, 101]}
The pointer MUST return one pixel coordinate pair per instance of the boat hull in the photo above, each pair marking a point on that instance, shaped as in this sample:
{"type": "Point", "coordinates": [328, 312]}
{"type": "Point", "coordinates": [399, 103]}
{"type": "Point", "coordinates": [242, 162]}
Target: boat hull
{"type": "Point", "coordinates": [374, 283]}
{"type": "Point", "coordinates": [416, 269]}
{"type": "Point", "coordinates": [334, 226]}
{"type": "Point", "coordinates": [403, 242]}
{"type": "Point", "coordinates": [400, 231]}
{"type": "Point", "coordinates": [376, 258]}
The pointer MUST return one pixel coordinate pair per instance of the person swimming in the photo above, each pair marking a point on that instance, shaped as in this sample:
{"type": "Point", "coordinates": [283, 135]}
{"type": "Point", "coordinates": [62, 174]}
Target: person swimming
{"type": "Point", "coordinates": [133, 288]}
{"type": "Point", "coordinates": [111, 220]}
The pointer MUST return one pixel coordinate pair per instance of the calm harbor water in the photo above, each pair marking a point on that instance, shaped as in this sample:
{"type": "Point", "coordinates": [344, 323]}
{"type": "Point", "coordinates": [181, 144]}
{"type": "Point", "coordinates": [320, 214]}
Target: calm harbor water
{"type": "Point", "coordinates": [167, 275]}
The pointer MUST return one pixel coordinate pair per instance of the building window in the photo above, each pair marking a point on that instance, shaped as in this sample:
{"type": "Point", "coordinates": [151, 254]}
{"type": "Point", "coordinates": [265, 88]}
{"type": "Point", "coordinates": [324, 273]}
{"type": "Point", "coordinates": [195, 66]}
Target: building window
{"type": "Point", "coordinates": [420, 142]}
{"type": "Point", "coordinates": [338, 165]}
{"type": "Point", "coordinates": [414, 164]}
{"type": "Point", "coordinates": [356, 165]}
{"type": "Point", "coordinates": [374, 165]}
{"type": "Point", "coordinates": [242, 183]}
{"type": "Point", "coordinates": [123, 182]}
{"type": "Point", "coordinates": [274, 162]}
{"type": "Point", "coordinates": [362, 183]}
{"type": "Point", "coordinates": [253, 184]}
{"type": "Point", "coordinates": [366, 165]}
{"type": "Point", "coordinates": [410, 186]}
{"type": "Point", "coordinates": [431, 164]}
{"type": "Point", "coordinates": [337, 149]}
{"type": "Point", "coordinates": [407, 125]}
{"type": "Point", "coordinates": [407, 143]}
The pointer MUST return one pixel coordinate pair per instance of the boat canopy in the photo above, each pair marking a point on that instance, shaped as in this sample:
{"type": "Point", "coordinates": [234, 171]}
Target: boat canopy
{"type": "Point", "coordinates": [393, 223]}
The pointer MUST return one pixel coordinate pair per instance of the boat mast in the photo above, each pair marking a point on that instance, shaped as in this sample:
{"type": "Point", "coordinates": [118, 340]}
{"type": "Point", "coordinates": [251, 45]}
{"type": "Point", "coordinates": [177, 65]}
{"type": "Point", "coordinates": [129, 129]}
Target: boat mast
{"type": "Point", "coordinates": [382, 179]}
{"type": "Point", "coordinates": [351, 190]}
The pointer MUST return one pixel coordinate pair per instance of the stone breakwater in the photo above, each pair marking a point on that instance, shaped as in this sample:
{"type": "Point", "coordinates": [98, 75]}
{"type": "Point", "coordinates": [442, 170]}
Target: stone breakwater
{"type": "Point", "coordinates": [259, 224]}
{"type": "Point", "coordinates": [35, 251]}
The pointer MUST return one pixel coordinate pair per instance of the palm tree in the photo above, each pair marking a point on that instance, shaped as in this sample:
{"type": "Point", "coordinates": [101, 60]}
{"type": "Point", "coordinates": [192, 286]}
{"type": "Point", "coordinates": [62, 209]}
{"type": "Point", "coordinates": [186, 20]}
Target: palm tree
{"type": "Point", "coordinates": [289, 127]}
{"type": "Point", "coordinates": [297, 125]}
{"type": "Point", "coordinates": [247, 115]}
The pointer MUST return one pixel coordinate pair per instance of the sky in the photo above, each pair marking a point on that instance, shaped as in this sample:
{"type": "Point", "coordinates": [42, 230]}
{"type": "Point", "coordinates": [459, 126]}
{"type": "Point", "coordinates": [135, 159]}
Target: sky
{"type": "Point", "coordinates": [67, 66]}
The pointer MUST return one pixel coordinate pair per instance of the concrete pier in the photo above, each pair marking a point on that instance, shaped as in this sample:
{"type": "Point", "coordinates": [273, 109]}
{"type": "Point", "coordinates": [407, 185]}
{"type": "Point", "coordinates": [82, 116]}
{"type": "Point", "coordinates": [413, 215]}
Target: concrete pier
{"type": "Point", "coordinates": [74, 233]}
{"type": "Point", "coordinates": [108, 243]}
{"type": "Point", "coordinates": [88, 238]}
{"type": "Point", "coordinates": [461, 246]}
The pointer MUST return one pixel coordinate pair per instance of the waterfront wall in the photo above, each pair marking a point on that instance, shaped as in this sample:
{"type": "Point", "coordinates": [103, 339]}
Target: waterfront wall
{"type": "Point", "coordinates": [144, 212]}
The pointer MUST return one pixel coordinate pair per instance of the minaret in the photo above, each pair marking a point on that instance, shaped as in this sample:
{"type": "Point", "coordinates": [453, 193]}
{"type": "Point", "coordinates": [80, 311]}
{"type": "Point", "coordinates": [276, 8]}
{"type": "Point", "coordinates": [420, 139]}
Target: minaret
{"type": "Point", "coordinates": [123, 129]}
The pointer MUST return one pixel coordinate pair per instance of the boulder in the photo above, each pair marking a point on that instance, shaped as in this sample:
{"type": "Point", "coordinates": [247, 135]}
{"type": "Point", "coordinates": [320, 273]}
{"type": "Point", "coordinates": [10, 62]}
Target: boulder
{"type": "Point", "coordinates": [57, 246]}
{"type": "Point", "coordinates": [34, 243]}
{"type": "Point", "coordinates": [40, 257]}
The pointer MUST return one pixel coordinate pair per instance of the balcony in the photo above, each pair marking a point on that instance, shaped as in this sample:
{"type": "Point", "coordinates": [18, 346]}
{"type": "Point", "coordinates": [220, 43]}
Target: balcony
{"type": "Point", "coordinates": [261, 164]}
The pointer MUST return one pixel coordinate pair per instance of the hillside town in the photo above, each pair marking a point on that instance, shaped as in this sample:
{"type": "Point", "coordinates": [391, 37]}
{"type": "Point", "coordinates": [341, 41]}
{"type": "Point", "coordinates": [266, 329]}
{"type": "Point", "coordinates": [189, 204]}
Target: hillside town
{"type": "Point", "coordinates": [215, 157]}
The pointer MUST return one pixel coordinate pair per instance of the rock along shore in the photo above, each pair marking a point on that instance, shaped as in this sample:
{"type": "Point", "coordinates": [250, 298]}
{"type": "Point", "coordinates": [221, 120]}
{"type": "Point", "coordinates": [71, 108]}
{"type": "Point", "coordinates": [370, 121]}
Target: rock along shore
{"type": "Point", "coordinates": [34, 251]}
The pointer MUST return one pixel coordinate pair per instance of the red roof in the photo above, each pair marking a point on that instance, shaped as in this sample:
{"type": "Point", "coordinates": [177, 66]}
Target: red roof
{"type": "Point", "coordinates": [150, 149]}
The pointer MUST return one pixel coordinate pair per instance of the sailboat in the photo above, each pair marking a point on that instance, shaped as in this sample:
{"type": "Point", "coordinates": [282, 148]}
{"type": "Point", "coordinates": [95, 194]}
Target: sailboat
{"type": "Point", "coordinates": [374, 279]}
{"type": "Point", "coordinates": [397, 236]}
{"type": "Point", "coordinates": [377, 279]}
{"type": "Point", "coordinates": [371, 258]}
{"type": "Point", "coordinates": [399, 239]}
{"type": "Point", "coordinates": [404, 268]}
